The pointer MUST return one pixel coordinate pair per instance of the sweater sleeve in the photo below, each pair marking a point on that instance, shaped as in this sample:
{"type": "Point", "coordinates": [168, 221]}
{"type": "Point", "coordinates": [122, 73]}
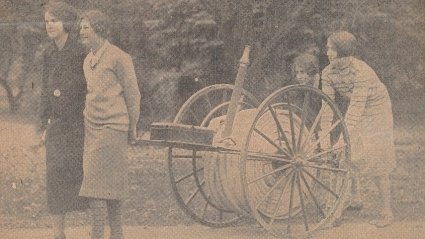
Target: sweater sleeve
{"type": "Point", "coordinates": [327, 113]}
{"type": "Point", "coordinates": [128, 80]}
{"type": "Point", "coordinates": [358, 98]}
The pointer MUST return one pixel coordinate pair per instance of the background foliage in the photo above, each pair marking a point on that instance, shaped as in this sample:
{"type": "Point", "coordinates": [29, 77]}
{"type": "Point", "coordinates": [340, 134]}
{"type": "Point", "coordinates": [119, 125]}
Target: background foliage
{"type": "Point", "coordinates": [182, 45]}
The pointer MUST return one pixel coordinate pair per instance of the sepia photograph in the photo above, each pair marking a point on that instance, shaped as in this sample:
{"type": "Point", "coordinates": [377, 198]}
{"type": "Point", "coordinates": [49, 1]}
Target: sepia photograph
{"type": "Point", "coordinates": [187, 119]}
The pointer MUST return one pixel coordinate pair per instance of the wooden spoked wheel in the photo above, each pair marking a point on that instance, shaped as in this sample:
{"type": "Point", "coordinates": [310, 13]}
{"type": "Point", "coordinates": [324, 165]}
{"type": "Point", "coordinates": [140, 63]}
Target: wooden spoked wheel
{"type": "Point", "coordinates": [295, 166]}
{"type": "Point", "coordinates": [186, 167]}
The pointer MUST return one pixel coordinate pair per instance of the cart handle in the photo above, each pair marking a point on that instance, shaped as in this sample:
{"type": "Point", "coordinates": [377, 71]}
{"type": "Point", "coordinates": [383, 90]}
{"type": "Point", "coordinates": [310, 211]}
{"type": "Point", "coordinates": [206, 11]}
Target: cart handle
{"type": "Point", "coordinates": [237, 93]}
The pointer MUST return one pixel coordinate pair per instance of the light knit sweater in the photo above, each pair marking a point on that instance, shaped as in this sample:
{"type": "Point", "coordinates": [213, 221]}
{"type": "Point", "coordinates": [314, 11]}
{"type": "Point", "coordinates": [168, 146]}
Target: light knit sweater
{"type": "Point", "coordinates": [113, 96]}
{"type": "Point", "coordinates": [358, 83]}
{"type": "Point", "coordinates": [369, 116]}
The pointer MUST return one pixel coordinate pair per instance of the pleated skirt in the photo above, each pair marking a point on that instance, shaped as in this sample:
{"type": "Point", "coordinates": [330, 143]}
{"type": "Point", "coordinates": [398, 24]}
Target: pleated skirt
{"type": "Point", "coordinates": [105, 164]}
{"type": "Point", "coordinates": [372, 140]}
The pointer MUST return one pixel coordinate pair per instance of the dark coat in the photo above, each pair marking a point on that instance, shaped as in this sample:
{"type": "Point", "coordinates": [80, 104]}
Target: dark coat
{"type": "Point", "coordinates": [62, 103]}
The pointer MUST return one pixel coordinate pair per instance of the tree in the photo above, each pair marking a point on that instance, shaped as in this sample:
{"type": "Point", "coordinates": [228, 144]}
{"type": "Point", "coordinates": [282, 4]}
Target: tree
{"type": "Point", "coordinates": [20, 34]}
{"type": "Point", "coordinates": [180, 46]}
{"type": "Point", "coordinates": [390, 33]}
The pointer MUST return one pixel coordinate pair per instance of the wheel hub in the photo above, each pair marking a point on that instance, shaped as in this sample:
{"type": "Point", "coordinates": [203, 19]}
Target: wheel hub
{"type": "Point", "coordinates": [299, 161]}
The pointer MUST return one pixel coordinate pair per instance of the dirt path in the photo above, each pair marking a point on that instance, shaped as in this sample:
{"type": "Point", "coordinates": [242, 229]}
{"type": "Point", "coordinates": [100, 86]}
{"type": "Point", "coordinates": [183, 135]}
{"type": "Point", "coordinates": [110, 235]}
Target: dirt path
{"type": "Point", "coordinates": [404, 230]}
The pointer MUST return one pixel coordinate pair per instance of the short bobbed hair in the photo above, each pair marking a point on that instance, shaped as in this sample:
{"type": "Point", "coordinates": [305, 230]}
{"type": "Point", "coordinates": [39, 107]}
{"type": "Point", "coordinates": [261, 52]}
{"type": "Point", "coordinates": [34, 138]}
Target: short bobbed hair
{"type": "Point", "coordinates": [346, 44]}
{"type": "Point", "coordinates": [99, 21]}
{"type": "Point", "coordinates": [308, 62]}
{"type": "Point", "coordinates": [64, 13]}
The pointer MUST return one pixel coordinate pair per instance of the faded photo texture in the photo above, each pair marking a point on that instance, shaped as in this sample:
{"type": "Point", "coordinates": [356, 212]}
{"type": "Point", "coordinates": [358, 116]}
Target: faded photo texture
{"type": "Point", "coordinates": [212, 119]}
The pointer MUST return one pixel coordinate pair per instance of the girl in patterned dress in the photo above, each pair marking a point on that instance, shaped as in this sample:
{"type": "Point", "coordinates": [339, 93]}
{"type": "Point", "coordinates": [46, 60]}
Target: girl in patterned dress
{"type": "Point", "coordinates": [369, 116]}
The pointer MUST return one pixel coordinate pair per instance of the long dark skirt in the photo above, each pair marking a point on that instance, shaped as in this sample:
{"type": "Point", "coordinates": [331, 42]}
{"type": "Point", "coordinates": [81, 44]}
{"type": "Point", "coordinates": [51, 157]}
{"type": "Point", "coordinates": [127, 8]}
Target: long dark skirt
{"type": "Point", "coordinates": [64, 153]}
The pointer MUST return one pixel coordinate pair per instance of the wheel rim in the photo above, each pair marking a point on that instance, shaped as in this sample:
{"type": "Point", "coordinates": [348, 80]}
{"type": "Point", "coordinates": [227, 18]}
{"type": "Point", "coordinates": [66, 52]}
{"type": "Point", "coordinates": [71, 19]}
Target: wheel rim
{"type": "Point", "coordinates": [207, 99]}
{"type": "Point", "coordinates": [186, 167]}
{"type": "Point", "coordinates": [304, 186]}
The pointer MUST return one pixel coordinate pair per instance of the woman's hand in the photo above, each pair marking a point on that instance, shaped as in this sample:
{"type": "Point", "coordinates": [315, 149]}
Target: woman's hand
{"type": "Point", "coordinates": [43, 138]}
{"type": "Point", "coordinates": [325, 142]}
{"type": "Point", "coordinates": [43, 135]}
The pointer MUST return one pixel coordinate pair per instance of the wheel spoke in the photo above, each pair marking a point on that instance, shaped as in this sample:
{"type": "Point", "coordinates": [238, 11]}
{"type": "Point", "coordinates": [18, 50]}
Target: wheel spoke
{"type": "Point", "coordinates": [280, 198]}
{"type": "Point", "coordinates": [268, 139]}
{"type": "Point", "coordinates": [302, 201]}
{"type": "Point", "coordinates": [312, 195]}
{"type": "Point", "coordinates": [279, 156]}
{"type": "Point", "coordinates": [189, 200]}
{"type": "Point", "coordinates": [243, 102]}
{"type": "Point", "coordinates": [256, 156]}
{"type": "Point", "coordinates": [291, 123]}
{"type": "Point", "coordinates": [313, 128]}
{"type": "Point", "coordinates": [321, 184]}
{"type": "Point", "coordinates": [212, 112]}
{"type": "Point", "coordinates": [208, 101]}
{"type": "Point", "coordinates": [326, 152]}
{"type": "Point", "coordinates": [188, 175]}
{"type": "Point", "coordinates": [225, 98]}
{"type": "Point", "coordinates": [335, 170]}
{"type": "Point", "coordinates": [280, 129]}
{"type": "Point", "coordinates": [270, 173]}
{"type": "Point", "coordinates": [252, 155]}
{"type": "Point", "coordinates": [194, 116]}
{"type": "Point", "coordinates": [274, 187]}
{"type": "Point", "coordinates": [322, 137]}
{"type": "Point", "coordinates": [291, 198]}
{"type": "Point", "coordinates": [204, 211]}
{"type": "Point", "coordinates": [303, 119]}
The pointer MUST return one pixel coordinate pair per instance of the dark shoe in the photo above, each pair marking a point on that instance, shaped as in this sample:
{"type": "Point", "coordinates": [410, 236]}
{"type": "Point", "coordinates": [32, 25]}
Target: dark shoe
{"type": "Point", "coordinates": [355, 207]}
{"type": "Point", "coordinates": [384, 222]}
{"type": "Point", "coordinates": [116, 237]}
{"type": "Point", "coordinates": [62, 236]}
{"type": "Point", "coordinates": [336, 223]}
{"type": "Point", "coordinates": [356, 203]}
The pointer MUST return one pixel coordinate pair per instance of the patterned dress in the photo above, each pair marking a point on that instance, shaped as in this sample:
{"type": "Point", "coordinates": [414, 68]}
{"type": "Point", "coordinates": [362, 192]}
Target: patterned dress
{"type": "Point", "coordinates": [369, 116]}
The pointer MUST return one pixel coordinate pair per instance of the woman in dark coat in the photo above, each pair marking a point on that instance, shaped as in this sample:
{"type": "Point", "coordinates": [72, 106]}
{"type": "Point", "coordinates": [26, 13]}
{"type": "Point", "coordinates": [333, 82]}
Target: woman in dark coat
{"type": "Point", "coordinates": [62, 104]}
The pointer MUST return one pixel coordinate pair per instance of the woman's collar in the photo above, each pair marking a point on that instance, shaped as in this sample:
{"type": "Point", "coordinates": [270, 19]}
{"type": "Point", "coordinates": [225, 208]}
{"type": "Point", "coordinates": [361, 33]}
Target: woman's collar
{"type": "Point", "coordinates": [99, 52]}
{"type": "Point", "coordinates": [94, 58]}
{"type": "Point", "coordinates": [342, 63]}
{"type": "Point", "coordinates": [341, 66]}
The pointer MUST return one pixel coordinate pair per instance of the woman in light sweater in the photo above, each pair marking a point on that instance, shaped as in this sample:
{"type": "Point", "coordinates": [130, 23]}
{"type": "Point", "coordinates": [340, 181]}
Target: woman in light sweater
{"type": "Point", "coordinates": [369, 117]}
{"type": "Point", "coordinates": [111, 114]}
